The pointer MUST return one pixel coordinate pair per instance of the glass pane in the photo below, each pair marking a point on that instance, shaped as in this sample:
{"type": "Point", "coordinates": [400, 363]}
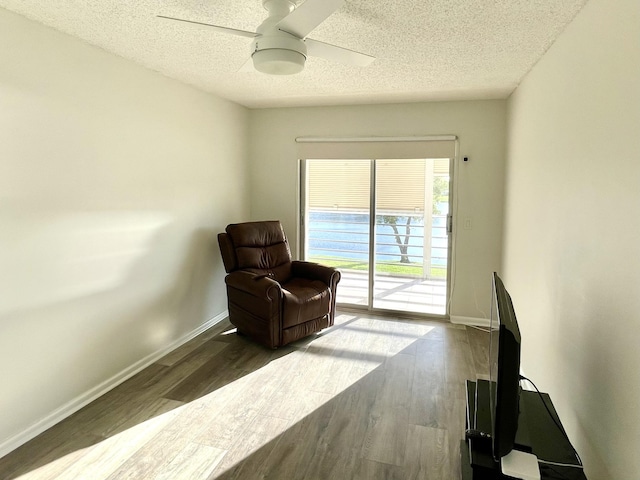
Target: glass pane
{"type": "Point", "coordinates": [338, 199]}
{"type": "Point", "coordinates": [411, 244]}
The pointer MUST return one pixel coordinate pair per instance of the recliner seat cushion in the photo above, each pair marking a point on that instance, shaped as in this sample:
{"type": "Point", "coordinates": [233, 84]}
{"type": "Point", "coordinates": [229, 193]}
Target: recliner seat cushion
{"type": "Point", "coordinates": [304, 300]}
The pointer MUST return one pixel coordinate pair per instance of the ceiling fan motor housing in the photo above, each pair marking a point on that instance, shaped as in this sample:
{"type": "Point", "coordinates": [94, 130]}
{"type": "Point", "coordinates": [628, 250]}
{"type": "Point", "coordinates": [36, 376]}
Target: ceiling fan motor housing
{"type": "Point", "coordinates": [280, 54]}
{"type": "Point", "coordinates": [280, 44]}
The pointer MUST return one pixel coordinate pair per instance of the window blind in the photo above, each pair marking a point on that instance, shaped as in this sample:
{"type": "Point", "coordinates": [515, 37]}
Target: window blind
{"type": "Point", "coordinates": [441, 146]}
{"type": "Point", "coordinates": [344, 184]}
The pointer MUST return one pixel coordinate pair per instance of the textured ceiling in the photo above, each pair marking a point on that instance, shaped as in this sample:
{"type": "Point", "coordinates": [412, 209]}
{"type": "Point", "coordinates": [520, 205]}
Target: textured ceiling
{"type": "Point", "coordinates": [424, 49]}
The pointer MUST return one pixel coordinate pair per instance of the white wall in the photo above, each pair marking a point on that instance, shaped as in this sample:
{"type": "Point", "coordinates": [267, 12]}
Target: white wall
{"type": "Point", "coordinates": [114, 181]}
{"type": "Point", "coordinates": [572, 231]}
{"type": "Point", "coordinates": [481, 128]}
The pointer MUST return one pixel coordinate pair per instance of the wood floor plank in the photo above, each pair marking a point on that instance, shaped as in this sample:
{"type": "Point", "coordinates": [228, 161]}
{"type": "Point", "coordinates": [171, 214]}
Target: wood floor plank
{"type": "Point", "coordinates": [385, 440]}
{"type": "Point", "coordinates": [479, 342]}
{"type": "Point", "coordinates": [107, 456]}
{"type": "Point", "coordinates": [339, 450]}
{"type": "Point", "coordinates": [210, 376]}
{"type": "Point", "coordinates": [151, 459]}
{"type": "Point", "coordinates": [188, 348]}
{"type": "Point", "coordinates": [165, 378]}
{"type": "Point", "coordinates": [129, 413]}
{"type": "Point", "coordinates": [290, 457]}
{"type": "Point", "coordinates": [194, 462]}
{"type": "Point", "coordinates": [249, 454]}
{"type": "Point", "coordinates": [427, 453]}
{"type": "Point", "coordinates": [427, 391]}
{"type": "Point", "coordinates": [293, 403]}
{"type": "Point", "coordinates": [47, 457]}
{"type": "Point", "coordinates": [459, 366]}
{"type": "Point", "coordinates": [337, 373]}
{"type": "Point", "coordinates": [244, 354]}
{"type": "Point", "coordinates": [292, 399]}
{"type": "Point", "coordinates": [371, 470]}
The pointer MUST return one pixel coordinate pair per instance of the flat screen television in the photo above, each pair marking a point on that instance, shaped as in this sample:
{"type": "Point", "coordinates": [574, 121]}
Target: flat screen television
{"type": "Point", "coordinates": [504, 371]}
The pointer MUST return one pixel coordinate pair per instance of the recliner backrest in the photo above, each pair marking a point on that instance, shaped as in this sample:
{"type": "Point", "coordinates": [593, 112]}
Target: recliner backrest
{"type": "Point", "coordinates": [259, 247]}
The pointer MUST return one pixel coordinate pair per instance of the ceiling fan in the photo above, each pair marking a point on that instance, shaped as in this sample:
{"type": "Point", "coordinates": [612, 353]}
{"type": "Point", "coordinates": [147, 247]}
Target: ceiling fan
{"type": "Point", "coordinates": [280, 45]}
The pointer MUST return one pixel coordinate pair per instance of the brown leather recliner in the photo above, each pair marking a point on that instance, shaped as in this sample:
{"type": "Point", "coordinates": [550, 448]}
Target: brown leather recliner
{"type": "Point", "coordinates": [273, 299]}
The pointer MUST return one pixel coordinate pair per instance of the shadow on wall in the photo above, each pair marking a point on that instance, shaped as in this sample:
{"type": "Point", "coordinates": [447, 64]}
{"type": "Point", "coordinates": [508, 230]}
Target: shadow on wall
{"type": "Point", "coordinates": [129, 260]}
{"type": "Point", "coordinates": [195, 292]}
{"type": "Point", "coordinates": [169, 298]}
{"type": "Point", "coordinates": [50, 258]}
{"type": "Point", "coordinates": [86, 295]}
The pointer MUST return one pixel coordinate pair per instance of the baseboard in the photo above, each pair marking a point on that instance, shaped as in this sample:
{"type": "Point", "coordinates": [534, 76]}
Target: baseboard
{"type": "Point", "coordinates": [89, 396]}
{"type": "Point", "coordinates": [471, 321]}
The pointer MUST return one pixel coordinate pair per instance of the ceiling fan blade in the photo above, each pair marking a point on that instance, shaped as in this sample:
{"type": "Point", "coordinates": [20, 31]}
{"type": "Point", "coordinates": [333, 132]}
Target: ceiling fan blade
{"type": "Point", "coordinates": [232, 31]}
{"type": "Point", "coordinates": [337, 54]}
{"type": "Point", "coordinates": [308, 16]}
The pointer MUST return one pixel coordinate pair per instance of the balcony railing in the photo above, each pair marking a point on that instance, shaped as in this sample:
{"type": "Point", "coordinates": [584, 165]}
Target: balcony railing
{"type": "Point", "coordinates": [341, 239]}
{"type": "Point", "coordinates": [409, 279]}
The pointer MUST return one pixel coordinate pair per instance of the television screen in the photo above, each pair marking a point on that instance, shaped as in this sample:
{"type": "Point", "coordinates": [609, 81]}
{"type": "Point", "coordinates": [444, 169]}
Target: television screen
{"type": "Point", "coordinates": [504, 370]}
{"type": "Point", "coordinates": [493, 352]}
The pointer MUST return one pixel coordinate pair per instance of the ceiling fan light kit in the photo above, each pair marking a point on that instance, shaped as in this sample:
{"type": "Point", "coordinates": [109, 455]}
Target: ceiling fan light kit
{"type": "Point", "coordinates": [278, 62]}
{"type": "Point", "coordinates": [279, 45]}
{"type": "Point", "coordinates": [279, 54]}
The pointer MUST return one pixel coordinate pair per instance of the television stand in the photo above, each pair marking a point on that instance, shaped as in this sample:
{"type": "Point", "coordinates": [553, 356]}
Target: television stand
{"type": "Point", "coordinates": [537, 434]}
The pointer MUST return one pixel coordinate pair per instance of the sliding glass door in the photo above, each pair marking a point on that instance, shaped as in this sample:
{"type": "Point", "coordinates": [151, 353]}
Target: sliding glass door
{"type": "Point", "coordinates": [383, 224]}
{"type": "Point", "coordinates": [337, 226]}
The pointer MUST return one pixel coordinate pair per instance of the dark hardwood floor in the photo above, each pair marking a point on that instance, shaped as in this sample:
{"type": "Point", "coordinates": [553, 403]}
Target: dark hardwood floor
{"type": "Point", "coordinates": [370, 398]}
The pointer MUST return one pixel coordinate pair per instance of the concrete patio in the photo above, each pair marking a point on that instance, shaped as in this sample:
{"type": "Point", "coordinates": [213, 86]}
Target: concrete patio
{"type": "Point", "coordinates": [392, 292]}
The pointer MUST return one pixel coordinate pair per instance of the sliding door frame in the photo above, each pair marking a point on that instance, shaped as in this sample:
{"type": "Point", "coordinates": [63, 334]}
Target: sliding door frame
{"type": "Point", "coordinates": [372, 233]}
{"type": "Point", "coordinates": [302, 210]}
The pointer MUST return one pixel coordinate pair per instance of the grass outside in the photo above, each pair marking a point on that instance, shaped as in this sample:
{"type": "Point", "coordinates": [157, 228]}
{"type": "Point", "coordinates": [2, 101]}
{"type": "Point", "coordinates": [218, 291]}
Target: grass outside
{"type": "Point", "coordinates": [396, 268]}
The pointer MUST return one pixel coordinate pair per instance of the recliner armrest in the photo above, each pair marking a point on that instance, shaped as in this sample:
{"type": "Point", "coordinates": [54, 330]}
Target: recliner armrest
{"type": "Point", "coordinates": [328, 275]}
{"type": "Point", "coordinates": [257, 285]}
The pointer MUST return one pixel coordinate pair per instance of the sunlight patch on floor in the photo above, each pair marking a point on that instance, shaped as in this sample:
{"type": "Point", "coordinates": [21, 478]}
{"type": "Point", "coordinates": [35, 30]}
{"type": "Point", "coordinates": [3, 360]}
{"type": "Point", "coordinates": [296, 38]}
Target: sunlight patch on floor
{"type": "Point", "coordinates": [100, 460]}
{"type": "Point", "coordinates": [206, 436]}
